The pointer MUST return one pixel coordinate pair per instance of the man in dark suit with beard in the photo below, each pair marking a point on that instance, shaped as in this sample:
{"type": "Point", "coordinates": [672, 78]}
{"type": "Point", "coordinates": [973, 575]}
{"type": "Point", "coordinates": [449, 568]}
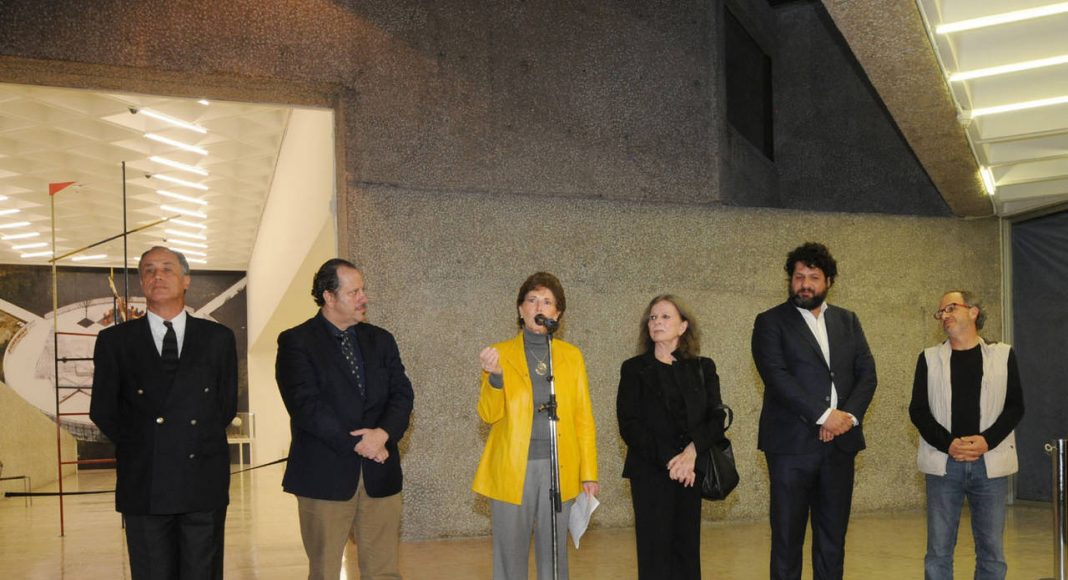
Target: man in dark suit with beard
{"type": "Point", "coordinates": [349, 404]}
{"type": "Point", "coordinates": [164, 390]}
{"type": "Point", "coordinates": [819, 378]}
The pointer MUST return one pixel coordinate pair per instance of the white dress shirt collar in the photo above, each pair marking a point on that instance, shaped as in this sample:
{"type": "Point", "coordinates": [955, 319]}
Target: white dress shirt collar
{"type": "Point", "coordinates": [155, 324]}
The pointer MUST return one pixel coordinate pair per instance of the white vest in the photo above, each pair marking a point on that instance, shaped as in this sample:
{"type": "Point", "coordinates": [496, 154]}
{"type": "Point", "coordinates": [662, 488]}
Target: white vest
{"type": "Point", "coordinates": [1001, 460]}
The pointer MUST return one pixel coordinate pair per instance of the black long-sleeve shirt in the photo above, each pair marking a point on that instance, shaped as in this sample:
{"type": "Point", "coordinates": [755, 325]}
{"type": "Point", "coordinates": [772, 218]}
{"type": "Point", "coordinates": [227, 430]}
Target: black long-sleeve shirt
{"type": "Point", "coordinates": [966, 378]}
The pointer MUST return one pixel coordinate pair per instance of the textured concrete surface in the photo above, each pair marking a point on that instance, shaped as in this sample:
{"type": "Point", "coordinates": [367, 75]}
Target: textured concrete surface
{"type": "Point", "coordinates": [891, 43]}
{"type": "Point", "coordinates": [443, 270]}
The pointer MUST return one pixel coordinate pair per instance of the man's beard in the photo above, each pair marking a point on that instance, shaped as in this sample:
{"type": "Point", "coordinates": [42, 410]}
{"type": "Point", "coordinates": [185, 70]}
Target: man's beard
{"type": "Point", "coordinates": [809, 303]}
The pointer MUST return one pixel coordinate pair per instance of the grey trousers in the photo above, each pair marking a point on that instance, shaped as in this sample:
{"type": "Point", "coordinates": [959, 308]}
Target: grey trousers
{"type": "Point", "coordinates": [512, 525]}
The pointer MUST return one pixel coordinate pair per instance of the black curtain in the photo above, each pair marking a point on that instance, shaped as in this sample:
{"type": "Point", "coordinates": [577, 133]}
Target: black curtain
{"type": "Point", "coordinates": [1040, 331]}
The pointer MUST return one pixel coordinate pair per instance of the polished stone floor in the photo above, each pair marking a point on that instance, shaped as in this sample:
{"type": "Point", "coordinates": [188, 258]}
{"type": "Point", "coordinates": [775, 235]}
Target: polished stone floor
{"type": "Point", "coordinates": [263, 542]}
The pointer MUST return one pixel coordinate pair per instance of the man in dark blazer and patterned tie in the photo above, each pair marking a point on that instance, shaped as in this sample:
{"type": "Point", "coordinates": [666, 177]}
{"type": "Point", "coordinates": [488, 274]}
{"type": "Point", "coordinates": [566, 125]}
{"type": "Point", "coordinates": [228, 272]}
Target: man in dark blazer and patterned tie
{"type": "Point", "coordinates": [164, 390]}
{"type": "Point", "coordinates": [819, 378]}
{"type": "Point", "coordinates": [349, 404]}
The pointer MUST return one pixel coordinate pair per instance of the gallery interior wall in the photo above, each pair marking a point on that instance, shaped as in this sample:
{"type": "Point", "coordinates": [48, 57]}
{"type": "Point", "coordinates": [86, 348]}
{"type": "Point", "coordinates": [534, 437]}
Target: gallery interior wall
{"type": "Point", "coordinates": [297, 233]}
{"type": "Point", "coordinates": [483, 141]}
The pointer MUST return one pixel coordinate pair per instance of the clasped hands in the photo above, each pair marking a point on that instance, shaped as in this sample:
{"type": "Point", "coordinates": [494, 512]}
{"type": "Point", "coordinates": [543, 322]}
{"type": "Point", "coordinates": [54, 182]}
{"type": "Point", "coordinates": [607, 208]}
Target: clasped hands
{"type": "Point", "coordinates": [837, 423]}
{"type": "Point", "coordinates": [968, 448]}
{"type": "Point", "coordinates": [373, 444]}
{"type": "Point", "coordinates": [681, 467]}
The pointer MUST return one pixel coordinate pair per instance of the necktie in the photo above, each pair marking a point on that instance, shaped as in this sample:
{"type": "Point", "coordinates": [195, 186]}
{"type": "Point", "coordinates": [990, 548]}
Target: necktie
{"type": "Point", "coordinates": [350, 357]}
{"type": "Point", "coordinates": [169, 356]}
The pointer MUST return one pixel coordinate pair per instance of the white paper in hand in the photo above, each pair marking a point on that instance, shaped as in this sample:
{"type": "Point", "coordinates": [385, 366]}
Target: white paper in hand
{"type": "Point", "coordinates": [581, 512]}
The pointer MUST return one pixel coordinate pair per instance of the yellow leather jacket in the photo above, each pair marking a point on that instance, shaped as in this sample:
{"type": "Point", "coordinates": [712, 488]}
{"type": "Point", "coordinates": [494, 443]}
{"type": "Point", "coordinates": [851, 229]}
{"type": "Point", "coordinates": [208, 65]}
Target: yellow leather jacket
{"type": "Point", "coordinates": [510, 412]}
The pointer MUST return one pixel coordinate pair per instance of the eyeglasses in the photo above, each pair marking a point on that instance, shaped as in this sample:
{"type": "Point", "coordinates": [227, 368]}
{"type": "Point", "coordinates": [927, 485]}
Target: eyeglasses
{"type": "Point", "coordinates": [949, 309]}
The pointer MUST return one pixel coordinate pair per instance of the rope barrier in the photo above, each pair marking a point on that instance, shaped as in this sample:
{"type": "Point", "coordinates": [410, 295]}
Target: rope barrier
{"type": "Point", "coordinates": [56, 493]}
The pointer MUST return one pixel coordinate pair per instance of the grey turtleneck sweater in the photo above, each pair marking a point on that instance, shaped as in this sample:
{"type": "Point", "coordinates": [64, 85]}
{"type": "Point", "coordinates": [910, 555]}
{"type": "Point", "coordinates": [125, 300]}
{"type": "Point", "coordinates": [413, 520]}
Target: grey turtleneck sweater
{"type": "Point", "coordinates": [536, 351]}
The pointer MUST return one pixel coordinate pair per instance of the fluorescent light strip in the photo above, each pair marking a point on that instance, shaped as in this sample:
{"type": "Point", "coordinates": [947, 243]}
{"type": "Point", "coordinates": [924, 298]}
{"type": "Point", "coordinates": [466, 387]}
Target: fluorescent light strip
{"type": "Point", "coordinates": [988, 180]}
{"type": "Point", "coordinates": [174, 143]}
{"type": "Point", "coordinates": [172, 120]}
{"type": "Point", "coordinates": [3, 198]}
{"type": "Point", "coordinates": [196, 260]}
{"type": "Point", "coordinates": [983, 111]}
{"type": "Point", "coordinates": [179, 166]}
{"type": "Point", "coordinates": [20, 236]}
{"type": "Point", "coordinates": [189, 244]}
{"type": "Point", "coordinates": [191, 252]}
{"type": "Point", "coordinates": [182, 211]}
{"type": "Point", "coordinates": [177, 181]}
{"type": "Point", "coordinates": [182, 234]}
{"type": "Point", "coordinates": [85, 258]}
{"type": "Point", "coordinates": [188, 224]}
{"type": "Point", "coordinates": [9, 211]}
{"type": "Point", "coordinates": [204, 102]}
{"type": "Point", "coordinates": [29, 246]}
{"type": "Point", "coordinates": [11, 225]}
{"type": "Point", "coordinates": [181, 197]}
{"type": "Point", "coordinates": [1008, 68]}
{"type": "Point", "coordinates": [36, 254]}
{"type": "Point", "coordinates": [1003, 18]}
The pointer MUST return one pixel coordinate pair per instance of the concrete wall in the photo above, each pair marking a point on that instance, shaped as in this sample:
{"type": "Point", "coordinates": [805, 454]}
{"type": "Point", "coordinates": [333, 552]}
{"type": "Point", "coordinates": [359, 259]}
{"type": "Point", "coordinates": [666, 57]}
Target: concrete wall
{"type": "Point", "coordinates": [481, 141]}
{"type": "Point", "coordinates": [450, 290]}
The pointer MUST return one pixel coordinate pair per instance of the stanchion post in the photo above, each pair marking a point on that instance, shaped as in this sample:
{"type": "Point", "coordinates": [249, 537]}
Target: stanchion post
{"type": "Point", "coordinates": [1058, 452]}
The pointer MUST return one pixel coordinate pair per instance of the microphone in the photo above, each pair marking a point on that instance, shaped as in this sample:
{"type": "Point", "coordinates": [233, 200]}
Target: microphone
{"type": "Point", "coordinates": [550, 324]}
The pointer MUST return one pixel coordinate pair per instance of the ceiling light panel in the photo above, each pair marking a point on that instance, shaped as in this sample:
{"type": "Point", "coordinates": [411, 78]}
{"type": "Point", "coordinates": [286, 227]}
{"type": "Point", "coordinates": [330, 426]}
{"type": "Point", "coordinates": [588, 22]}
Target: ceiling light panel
{"type": "Point", "coordinates": [84, 136]}
{"type": "Point", "coordinates": [1002, 18]}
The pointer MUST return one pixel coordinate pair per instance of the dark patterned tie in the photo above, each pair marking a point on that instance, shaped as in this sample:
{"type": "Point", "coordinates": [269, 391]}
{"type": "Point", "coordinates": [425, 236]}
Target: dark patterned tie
{"type": "Point", "coordinates": [350, 357]}
{"type": "Point", "coordinates": [169, 355]}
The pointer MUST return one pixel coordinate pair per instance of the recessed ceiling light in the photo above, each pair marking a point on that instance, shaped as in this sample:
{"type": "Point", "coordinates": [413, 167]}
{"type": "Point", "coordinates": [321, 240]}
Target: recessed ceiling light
{"type": "Point", "coordinates": [1008, 68]}
{"type": "Point", "coordinates": [196, 260]}
{"type": "Point", "coordinates": [983, 111]}
{"type": "Point", "coordinates": [11, 225]}
{"type": "Point", "coordinates": [188, 224]}
{"type": "Point", "coordinates": [183, 211]}
{"type": "Point", "coordinates": [187, 243]}
{"type": "Point", "coordinates": [988, 180]}
{"type": "Point", "coordinates": [182, 234]}
{"type": "Point", "coordinates": [175, 143]}
{"type": "Point", "coordinates": [9, 211]}
{"type": "Point", "coordinates": [177, 181]}
{"type": "Point", "coordinates": [36, 254]}
{"type": "Point", "coordinates": [204, 102]}
{"type": "Point", "coordinates": [29, 246]}
{"type": "Point", "coordinates": [3, 198]}
{"type": "Point", "coordinates": [92, 257]}
{"type": "Point", "coordinates": [21, 236]}
{"type": "Point", "coordinates": [1003, 18]}
{"type": "Point", "coordinates": [169, 119]}
{"type": "Point", "coordinates": [179, 166]}
{"type": "Point", "coordinates": [191, 252]}
{"type": "Point", "coordinates": [181, 197]}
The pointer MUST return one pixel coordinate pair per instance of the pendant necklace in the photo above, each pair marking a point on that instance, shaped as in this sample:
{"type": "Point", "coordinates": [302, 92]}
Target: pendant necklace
{"type": "Point", "coordinates": [541, 368]}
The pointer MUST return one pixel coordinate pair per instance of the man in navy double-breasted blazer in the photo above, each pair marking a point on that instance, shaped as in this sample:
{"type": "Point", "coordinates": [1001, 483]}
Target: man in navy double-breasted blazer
{"type": "Point", "coordinates": [819, 378]}
{"type": "Point", "coordinates": [349, 404]}
{"type": "Point", "coordinates": [164, 390]}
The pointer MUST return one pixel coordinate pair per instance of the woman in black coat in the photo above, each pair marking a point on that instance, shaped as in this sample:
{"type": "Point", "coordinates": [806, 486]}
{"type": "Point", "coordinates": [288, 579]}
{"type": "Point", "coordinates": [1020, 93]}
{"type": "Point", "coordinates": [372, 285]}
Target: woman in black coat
{"type": "Point", "coordinates": [668, 411]}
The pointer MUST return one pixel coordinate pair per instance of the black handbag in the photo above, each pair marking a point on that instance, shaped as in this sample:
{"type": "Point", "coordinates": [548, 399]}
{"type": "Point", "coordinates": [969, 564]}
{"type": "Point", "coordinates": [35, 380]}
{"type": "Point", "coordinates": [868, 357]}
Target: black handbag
{"type": "Point", "coordinates": [719, 475]}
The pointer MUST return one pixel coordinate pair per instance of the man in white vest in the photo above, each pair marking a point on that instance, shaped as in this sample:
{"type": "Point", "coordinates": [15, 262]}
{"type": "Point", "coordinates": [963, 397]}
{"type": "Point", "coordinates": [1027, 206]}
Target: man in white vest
{"type": "Point", "coordinates": [966, 401]}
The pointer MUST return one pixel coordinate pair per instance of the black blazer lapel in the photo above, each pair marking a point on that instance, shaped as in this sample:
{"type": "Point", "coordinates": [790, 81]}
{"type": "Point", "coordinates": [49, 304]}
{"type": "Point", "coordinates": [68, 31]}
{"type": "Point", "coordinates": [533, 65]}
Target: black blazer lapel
{"type": "Point", "coordinates": [147, 358]}
{"type": "Point", "coordinates": [329, 347]}
{"type": "Point", "coordinates": [796, 320]}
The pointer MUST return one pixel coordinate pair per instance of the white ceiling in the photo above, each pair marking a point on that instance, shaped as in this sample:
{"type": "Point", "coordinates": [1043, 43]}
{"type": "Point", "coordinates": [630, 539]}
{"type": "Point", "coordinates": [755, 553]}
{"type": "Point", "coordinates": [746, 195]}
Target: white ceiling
{"type": "Point", "coordinates": [1025, 151]}
{"type": "Point", "coordinates": [50, 135]}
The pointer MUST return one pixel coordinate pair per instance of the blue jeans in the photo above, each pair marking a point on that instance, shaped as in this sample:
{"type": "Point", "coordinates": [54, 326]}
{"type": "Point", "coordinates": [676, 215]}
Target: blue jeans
{"type": "Point", "coordinates": [986, 501]}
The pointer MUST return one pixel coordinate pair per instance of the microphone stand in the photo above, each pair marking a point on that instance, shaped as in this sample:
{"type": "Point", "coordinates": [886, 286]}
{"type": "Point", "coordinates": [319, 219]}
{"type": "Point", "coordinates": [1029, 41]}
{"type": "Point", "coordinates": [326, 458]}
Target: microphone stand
{"type": "Point", "coordinates": [554, 458]}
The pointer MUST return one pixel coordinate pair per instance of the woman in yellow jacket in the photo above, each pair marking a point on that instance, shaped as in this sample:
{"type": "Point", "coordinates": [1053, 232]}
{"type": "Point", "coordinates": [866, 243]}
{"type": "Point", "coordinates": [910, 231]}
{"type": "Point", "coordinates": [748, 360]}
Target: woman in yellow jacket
{"type": "Point", "coordinates": [514, 471]}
